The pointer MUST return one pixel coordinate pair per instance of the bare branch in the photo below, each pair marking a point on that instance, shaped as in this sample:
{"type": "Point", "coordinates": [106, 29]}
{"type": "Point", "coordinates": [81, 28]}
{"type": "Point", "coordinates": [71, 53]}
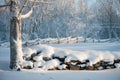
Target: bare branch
{"type": "Point", "coordinates": [38, 1]}
{"type": "Point", "coordinates": [108, 12]}
{"type": "Point", "coordinates": [30, 12]}
{"type": "Point", "coordinates": [23, 7]}
{"type": "Point", "coordinates": [4, 6]}
{"type": "Point", "coordinates": [26, 15]}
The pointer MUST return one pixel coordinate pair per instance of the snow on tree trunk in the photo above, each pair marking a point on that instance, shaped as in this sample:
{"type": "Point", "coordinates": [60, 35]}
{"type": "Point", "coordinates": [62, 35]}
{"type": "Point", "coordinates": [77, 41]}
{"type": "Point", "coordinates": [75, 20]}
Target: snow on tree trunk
{"type": "Point", "coordinates": [15, 37]}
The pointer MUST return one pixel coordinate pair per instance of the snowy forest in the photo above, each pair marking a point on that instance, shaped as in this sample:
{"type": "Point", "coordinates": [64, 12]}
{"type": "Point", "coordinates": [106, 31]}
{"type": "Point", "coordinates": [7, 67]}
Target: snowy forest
{"type": "Point", "coordinates": [95, 19]}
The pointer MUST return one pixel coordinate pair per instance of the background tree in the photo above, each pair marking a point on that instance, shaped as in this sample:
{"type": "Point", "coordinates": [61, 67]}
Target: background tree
{"type": "Point", "coordinates": [66, 18]}
{"type": "Point", "coordinates": [108, 18]}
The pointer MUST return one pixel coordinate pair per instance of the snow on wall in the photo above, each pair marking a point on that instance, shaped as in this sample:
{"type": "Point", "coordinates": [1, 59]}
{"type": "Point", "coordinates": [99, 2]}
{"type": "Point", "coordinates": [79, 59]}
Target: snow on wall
{"type": "Point", "coordinates": [47, 51]}
{"type": "Point", "coordinates": [50, 63]}
{"type": "Point", "coordinates": [61, 53]}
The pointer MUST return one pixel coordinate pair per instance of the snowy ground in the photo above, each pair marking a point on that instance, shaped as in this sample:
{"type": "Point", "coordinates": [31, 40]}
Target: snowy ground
{"type": "Point", "coordinates": [90, 46]}
{"type": "Point", "coordinates": [38, 74]}
{"type": "Point", "coordinates": [61, 75]}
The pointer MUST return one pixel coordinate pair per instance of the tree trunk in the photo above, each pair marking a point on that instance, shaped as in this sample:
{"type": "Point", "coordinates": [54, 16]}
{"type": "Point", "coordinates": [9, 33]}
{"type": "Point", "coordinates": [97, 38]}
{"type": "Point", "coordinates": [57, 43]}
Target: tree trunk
{"type": "Point", "coordinates": [15, 37]}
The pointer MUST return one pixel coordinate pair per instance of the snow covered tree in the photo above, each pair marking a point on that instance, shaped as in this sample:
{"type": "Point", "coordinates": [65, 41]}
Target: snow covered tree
{"type": "Point", "coordinates": [108, 18]}
{"type": "Point", "coordinates": [16, 54]}
{"type": "Point", "coordinates": [15, 36]}
{"type": "Point", "coordinates": [16, 15]}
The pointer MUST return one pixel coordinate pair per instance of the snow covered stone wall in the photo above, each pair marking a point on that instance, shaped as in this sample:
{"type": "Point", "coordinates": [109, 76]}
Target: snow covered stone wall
{"type": "Point", "coordinates": [49, 58]}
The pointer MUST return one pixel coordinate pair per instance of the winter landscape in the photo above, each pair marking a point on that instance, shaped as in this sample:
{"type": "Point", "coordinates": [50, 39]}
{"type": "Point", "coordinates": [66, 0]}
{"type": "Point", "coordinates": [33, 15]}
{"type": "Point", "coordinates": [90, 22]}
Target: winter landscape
{"type": "Point", "coordinates": [59, 39]}
{"type": "Point", "coordinates": [81, 51]}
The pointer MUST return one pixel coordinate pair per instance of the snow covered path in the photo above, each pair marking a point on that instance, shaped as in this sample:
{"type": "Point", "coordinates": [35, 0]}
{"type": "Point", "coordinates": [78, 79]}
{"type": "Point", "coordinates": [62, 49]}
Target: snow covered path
{"type": "Point", "coordinates": [36, 74]}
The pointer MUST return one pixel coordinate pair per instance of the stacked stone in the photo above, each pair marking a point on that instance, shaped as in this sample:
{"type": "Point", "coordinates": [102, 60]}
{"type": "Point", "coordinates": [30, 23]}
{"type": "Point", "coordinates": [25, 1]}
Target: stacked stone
{"type": "Point", "coordinates": [73, 64]}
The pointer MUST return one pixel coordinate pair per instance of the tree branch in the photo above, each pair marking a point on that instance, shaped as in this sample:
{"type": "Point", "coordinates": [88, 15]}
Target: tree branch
{"type": "Point", "coordinates": [26, 15]}
{"type": "Point", "coordinates": [4, 6]}
{"type": "Point", "coordinates": [108, 12]}
{"type": "Point", "coordinates": [23, 7]}
{"type": "Point", "coordinates": [42, 2]}
{"type": "Point", "coordinates": [30, 12]}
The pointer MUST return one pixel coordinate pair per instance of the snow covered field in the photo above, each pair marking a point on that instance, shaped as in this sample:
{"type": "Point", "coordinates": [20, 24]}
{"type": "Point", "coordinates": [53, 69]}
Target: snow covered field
{"type": "Point", "coordinates": [61, 75]}
{"type": "Point", "coordinates": [40, 74]}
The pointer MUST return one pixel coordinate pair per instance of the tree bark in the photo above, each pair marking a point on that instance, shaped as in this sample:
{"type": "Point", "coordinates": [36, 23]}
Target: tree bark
{"type": "Point", "coordinates": [15, 37]}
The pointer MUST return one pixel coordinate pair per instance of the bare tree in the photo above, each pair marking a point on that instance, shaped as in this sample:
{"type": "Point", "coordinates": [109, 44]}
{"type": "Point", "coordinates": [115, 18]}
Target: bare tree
{"type": "Point", "coordinates": [109, 17]}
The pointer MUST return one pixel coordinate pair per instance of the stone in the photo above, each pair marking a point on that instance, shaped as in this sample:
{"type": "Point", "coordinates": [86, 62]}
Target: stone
{"type": "Point", "coordinates": [74, 67]}
{"type": "Point", "coordinates": [117, 61]}
{"type": "Point", "coordinates": [90, 68]}
{"type": "Point", "coordinates": [46, 58]}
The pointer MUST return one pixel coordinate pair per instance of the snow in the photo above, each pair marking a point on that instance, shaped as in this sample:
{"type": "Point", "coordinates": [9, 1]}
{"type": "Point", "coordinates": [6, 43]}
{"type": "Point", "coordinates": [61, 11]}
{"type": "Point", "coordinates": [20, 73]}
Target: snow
{"type": "Point", "coordinates": [118, 65]}
{"type": "Point", "coordinates": [28, 52]}
{"type": "Point", "coordinates": [51, 64]}
{"type": "Point", "coordinates": [61, 75]}
{"type": "Point", "coordinates": [63, 66]}
{"type": "Point", "coordinates": [46, 51]}
{"type": "Point", "coordinates": [27, 63]}
{"type": "Point", "coordinates": [38, 58]}
{"type": "Point", "coordinates": [5, 44]}
{"type": "Point", "coordinates": [117, 54]}
{"type": "Point", "coordinates": [93, 56]}
{"type": "Point", "coordinates": [27, 14]}
{"type": "Point", "coordinates": [83, 65]}
{"type": "Point", "coordinates": [75, 55]}
{"type": "Point", "coordinates": [39, 64]}
{"type": "Point", "coordinates": [100, 55]}
{"type": "Point", "coordinates": [92, 51]}
{"type": "Point", "coordinates": [89, 46]}
{"type": "Point", "coordinates": [61, 53]}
